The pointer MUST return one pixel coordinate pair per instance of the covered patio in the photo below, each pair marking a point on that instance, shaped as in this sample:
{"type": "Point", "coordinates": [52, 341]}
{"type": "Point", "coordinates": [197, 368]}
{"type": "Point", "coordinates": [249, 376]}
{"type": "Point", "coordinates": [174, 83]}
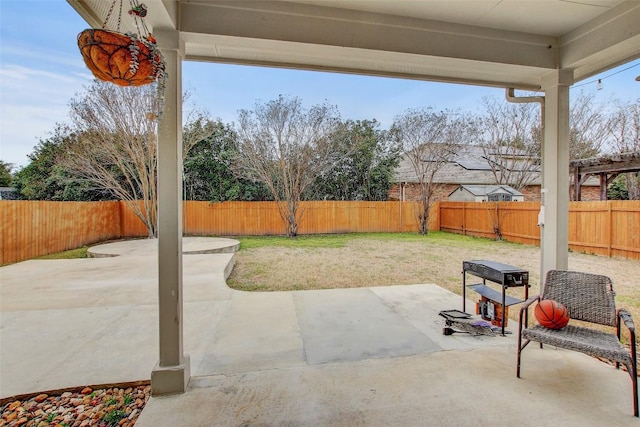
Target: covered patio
{"type": "Point", "coordinates": [544, 46]}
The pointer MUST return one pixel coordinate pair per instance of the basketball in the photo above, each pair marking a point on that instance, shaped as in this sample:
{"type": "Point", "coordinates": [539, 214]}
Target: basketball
{"type": "Point", "coordinates": [551, 314]}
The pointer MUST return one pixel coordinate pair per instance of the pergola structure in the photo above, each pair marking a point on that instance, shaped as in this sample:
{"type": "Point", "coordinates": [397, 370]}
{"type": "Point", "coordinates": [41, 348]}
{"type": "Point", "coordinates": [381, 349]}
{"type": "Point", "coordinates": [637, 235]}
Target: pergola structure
{"type": "Point", "coordinates": [606, 167]}
{"type": "Point", "coordinates": [545, 45]}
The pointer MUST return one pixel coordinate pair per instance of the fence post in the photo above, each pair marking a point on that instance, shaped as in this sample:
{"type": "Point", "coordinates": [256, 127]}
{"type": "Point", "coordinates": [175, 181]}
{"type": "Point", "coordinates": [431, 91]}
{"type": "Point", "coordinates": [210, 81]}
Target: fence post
{"type": "Point", "coordinates": [609, 228]}
{"type": "Point", "coordinates": [464, 218]}
{"type": "Point", "coordinates": [121, 219]}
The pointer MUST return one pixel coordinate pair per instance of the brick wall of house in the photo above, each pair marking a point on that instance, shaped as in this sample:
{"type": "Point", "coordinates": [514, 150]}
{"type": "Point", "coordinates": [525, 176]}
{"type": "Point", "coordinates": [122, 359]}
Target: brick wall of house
{"type": "Point", "coordinates": [394, 192]}
{"type": "Point", "coordinates": [531, 193]}
{"type": "Point", "coordinates": [590, 194]}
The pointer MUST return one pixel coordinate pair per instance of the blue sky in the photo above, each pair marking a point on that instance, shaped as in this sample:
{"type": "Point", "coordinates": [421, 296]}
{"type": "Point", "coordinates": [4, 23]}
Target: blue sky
{"type": "Point", "coordinates": [41, 70]}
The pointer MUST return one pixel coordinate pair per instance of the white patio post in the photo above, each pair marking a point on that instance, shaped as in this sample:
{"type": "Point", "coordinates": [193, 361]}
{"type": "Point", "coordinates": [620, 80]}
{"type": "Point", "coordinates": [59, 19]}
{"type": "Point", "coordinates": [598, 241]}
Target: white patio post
{"type": "Point", "coordinates": [555, 172]}
{"type": "Point", "coordinates": [172, 373]}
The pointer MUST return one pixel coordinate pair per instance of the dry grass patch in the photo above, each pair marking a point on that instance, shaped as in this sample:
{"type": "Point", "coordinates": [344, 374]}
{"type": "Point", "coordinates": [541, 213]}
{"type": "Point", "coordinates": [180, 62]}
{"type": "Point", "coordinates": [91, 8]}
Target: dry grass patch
{"type": "Point", "coordinates": [363, 260]}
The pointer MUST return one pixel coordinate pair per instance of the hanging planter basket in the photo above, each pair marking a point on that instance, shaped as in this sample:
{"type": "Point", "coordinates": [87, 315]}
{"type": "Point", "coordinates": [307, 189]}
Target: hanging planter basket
{"type": "Point", "coordinates": [125, 59]}
{"type": "Point", "coordinates": [120, 58]}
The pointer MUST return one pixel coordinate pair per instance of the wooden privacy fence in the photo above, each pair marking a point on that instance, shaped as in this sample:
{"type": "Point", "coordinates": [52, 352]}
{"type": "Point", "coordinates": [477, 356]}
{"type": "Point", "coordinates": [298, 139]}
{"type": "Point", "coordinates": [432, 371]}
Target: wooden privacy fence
{"type": "Point", "coordinates": [513, 221]}
{"type": "Point", "coordinates": [30, 229]}
{"type": "Point", "coordinates": [610, 228]}
{"type": "Point", "coordinates": [262, 218]}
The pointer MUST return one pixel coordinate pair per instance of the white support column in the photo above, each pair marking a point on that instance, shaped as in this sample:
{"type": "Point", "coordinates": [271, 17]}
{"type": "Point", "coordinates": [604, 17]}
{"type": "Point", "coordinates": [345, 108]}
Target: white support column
{"type": "Point", "coordinates": [172, 373]}
{"type": "Point", "coordinates": [554, 243]}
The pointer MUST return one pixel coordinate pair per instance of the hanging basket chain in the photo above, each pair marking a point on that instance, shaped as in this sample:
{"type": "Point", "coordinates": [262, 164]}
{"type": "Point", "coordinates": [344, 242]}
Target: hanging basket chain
{"type": "Point", "coordinates": [139, 11]}
{"type": "Point", "coordinates": [136, 12]}
{"type": "Point", "coordinates": [106, 20]}
{"type": "Point", "coordinates": [125, 59]}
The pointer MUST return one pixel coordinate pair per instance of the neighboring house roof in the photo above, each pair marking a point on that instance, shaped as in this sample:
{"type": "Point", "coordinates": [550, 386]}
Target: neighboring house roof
{"type": "Point", "coordinates": [483, 190]}
{"type": "Point", "coordinates": [468, 166]}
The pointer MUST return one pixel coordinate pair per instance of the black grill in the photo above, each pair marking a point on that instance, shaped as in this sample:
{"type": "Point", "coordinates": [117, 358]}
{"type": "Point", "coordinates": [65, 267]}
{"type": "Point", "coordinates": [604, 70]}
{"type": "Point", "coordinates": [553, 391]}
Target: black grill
{"type": "Point", "coordinates": [506, 275]}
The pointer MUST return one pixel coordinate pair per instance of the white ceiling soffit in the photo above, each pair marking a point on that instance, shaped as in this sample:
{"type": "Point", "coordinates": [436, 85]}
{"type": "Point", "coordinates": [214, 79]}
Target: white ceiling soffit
{"type": "Point", "coordinates": [488, 42]}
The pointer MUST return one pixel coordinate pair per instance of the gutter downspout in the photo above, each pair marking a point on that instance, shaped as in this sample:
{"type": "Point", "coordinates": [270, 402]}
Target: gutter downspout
{"type": "Point", "coordinates": [510, 95]}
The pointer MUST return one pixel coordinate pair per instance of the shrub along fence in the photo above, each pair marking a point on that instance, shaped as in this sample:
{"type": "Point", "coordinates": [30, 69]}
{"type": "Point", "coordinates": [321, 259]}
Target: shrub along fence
{"type": "Point", "coordinates": [30, 229]}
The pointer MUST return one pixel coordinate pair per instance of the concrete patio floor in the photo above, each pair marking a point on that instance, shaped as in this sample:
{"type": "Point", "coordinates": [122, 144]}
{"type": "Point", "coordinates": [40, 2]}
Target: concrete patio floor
{"type": "Point", "coordinates": [346, 357]}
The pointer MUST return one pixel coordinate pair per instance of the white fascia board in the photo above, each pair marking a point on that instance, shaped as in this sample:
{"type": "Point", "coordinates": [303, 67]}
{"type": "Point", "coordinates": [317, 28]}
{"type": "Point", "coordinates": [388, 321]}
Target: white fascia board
{"type": "Point", "coordinates": [161, 14]}
{"type": "Point", "coordinates": [611, 39]}
{"type": "Point", "coordinates": [87, 13]}
{"type": "Point", "coordinates": [315, 25]}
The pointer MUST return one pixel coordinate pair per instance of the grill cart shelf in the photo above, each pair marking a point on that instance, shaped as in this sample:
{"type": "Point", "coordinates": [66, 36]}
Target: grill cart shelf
{"type": "Point", "coordinates": [494, 304]}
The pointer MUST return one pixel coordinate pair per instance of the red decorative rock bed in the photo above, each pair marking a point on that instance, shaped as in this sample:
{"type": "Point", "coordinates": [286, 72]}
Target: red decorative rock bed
{"type": "Point", "coordinates": [83, 407]}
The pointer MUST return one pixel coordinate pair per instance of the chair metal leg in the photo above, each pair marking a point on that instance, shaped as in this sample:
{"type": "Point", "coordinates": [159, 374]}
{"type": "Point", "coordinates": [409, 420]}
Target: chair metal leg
{"type": "Point", "coordinates": [634, 374]}
{"type": "Point", "coordinates": [632, 368]}
{"type": "Point", "coordinates": [634, 380]}
{"type": "Point", "coordinates": [520, 348]}
{"type": "Point", "coordinates": [518, 357]}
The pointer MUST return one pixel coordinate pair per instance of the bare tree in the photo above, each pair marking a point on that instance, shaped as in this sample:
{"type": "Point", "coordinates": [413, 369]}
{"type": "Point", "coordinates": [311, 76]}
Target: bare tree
{"type": "Point", "coordinates": [623, 129]}
{"type": "Point", "coordinates": [510, 139]}
{"type": "Point", "coordinates": [429, 141]}
{"type": "Point", "coordinates": [587, 127]}
{"type": "Point", "coordinates": [115, 145]}
{"type": "Point", "coordinates": [286, 147]}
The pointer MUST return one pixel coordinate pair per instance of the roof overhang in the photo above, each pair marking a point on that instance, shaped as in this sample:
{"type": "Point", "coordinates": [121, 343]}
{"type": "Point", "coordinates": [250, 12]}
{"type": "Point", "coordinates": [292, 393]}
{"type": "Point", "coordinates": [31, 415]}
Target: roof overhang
{"type": "Point", "coordinates": [488, 42]}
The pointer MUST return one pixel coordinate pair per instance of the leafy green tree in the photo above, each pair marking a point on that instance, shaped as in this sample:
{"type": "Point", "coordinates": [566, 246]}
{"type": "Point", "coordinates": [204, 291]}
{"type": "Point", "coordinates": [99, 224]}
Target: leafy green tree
{"type": "Point", "coordinates": [617, 190]}
{"type": "Point", "coordinates": [209, 165]}
{"type": "Point", "coordinates": [364, 166]}
{"type": "Point", "coordinates": [5, 174]}
{"type": "Point", "coordinates": [46, 178]}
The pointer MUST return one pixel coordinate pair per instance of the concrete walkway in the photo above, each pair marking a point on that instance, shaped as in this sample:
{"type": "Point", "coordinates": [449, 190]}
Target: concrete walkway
{"type": "Point", "coordinates": [149, 247]}
{"type": "Point", "coordinates": [346, 357]}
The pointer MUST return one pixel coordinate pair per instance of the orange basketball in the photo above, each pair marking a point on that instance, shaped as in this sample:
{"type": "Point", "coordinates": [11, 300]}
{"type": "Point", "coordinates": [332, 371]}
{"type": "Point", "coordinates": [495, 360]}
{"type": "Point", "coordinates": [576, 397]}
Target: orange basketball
{"type": "Point", "coordinates": [551, 314]}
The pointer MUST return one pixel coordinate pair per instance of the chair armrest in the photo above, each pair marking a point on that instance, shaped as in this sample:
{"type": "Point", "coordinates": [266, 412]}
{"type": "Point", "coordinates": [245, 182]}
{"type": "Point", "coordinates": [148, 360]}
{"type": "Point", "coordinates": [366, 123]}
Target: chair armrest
{"type": "Point", "coordinates": [529, 301]}
{"type": "Point", "coordinates": [625, 316]}
{"type": "Point", "coordinates": [524, 313]}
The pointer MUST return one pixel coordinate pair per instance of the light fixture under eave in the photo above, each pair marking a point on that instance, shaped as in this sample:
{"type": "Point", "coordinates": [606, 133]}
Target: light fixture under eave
{"type": "Point", "coordinates": [599, 84]}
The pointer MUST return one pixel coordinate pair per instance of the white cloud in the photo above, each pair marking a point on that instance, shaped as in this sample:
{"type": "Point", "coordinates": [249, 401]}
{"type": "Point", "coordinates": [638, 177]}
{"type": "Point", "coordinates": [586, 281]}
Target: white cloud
{"type": "Point", "coordinates": [44, 56]}
{"type": "Point", "coordinates": [8, 72]}
{"type": "Point", "coordinates": [32, 101]}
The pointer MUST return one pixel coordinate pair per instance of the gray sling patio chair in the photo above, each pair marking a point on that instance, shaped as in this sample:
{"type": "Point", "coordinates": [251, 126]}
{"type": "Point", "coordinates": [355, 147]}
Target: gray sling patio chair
{"type": "Point", "coordinates": [589, 298]}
